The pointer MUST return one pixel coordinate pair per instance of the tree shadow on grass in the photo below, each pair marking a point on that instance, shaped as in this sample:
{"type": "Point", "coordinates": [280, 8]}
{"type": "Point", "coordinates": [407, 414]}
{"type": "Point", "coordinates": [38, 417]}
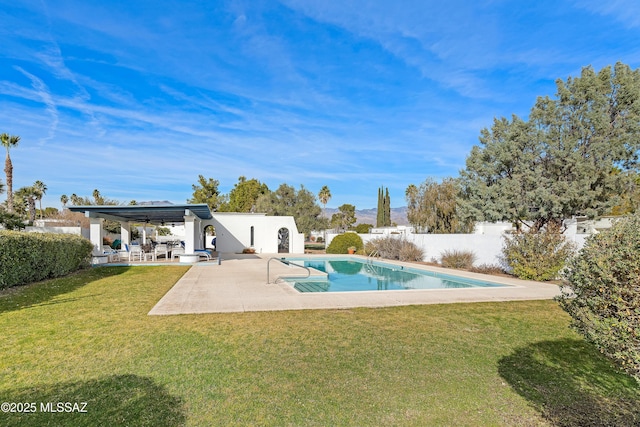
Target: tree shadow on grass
{"type": "Point", "coordinates": [120, 400]}
{"type": "Point", "coordinates": [24, 296]}
{"type": "Point", "coordinates": [571, 384]}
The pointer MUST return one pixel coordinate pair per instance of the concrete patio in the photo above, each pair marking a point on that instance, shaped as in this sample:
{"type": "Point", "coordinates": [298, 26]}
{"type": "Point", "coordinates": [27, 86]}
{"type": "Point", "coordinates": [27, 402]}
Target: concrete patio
{"type": "Point", "coordinates": [239, 284]}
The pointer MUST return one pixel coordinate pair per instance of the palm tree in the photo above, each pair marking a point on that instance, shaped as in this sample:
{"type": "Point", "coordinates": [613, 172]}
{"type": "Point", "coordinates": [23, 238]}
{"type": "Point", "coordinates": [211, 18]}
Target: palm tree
{"type": "Point", "coordinates": [324, 195]}
{"type": "Point", "coordinates": [97, 197]}
{"type": "Point", "coordinates": [7, 142]}
{"type": "Point", "coordinates": [64, 200]}
{"type": "Point", "coordinates": [28, 195]}
{"type": "Point", "coordinates": [41, 187]}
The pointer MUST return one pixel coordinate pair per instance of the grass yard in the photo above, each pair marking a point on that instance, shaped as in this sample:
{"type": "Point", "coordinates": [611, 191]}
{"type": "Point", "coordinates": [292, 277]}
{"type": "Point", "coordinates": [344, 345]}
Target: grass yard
{"type": "Point", "coordinates": [87, 338]}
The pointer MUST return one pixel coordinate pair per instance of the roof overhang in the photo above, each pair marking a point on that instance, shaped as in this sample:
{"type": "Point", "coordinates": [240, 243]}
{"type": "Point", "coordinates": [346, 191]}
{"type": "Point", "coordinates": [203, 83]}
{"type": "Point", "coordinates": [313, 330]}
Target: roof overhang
{"type": "Point", "coordinates": [151, 214]}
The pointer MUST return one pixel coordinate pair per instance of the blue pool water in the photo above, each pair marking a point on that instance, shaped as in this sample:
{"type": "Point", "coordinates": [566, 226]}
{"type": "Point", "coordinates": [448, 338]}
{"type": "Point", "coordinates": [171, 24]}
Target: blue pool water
{"type": "Point", "coordinates": [347, 275]}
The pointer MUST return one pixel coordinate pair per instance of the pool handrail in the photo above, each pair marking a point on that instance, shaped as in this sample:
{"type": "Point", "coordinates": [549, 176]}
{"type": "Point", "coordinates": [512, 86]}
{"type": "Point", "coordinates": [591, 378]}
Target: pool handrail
{"type": "Point", "coordinates": [371, 255]}
{"type": "Point", "coordinates": [285, 262]}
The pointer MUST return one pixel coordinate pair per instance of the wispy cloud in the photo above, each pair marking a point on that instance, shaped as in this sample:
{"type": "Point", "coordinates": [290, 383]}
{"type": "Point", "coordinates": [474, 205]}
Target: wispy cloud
{"type": "Point", "coordinates": [44, 95]}
{"type": "Point", "coordinates": [624, 11]}
{"type": "Point", "coordinates": [138, 101]}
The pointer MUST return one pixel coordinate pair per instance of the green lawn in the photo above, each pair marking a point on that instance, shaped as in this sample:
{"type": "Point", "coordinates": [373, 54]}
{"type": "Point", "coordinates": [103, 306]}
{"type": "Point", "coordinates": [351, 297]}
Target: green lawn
{"type": "Point", "coordinates": [87, 338]}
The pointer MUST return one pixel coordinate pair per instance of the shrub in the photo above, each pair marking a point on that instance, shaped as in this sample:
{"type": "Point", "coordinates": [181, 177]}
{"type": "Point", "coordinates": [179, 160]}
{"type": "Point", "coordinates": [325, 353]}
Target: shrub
{"type": "Point", "coordinates": [394, 248]}
{"type": "Point", "coordinates": [342, 242]}
{"type": "Point", "coordinates": [363, 228]}
{"type": "Point", "coordinates": [410, 252]}
{"type": "Point", "coordinates": [31, 257]}
{"type": "Point", "coordinates": [602, 295]}
{"type": "Point", "coordinates": [11, 221]}
{"type": "Point", "coordinates": [488, 269]}
{"type": "Point", "coordinates": [536, 255]}
{"type": "Point", "coordinates": [457, 259]}
{"type": "Point", "coordinates": [319, 239]}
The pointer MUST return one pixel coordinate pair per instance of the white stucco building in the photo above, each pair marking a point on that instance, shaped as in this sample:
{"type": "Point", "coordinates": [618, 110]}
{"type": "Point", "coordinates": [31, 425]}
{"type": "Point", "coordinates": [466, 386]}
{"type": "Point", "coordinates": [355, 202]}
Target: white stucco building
{"type": "Point", "coordinates": [234, 231]}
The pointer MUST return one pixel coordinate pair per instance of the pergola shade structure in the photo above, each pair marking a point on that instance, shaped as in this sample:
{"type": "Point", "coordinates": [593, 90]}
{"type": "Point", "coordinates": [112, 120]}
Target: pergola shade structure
{"type": "Point", "coordinates": [150, 214]}
{"type": "Point", "coordinates": [191, 215]}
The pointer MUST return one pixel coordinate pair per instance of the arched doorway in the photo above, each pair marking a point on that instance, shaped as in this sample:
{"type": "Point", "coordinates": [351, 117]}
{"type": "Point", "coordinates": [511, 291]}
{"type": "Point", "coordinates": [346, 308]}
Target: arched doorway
{"type": "Point", "coordinates": [209, 233]}
{"type": "Point", "coordinates": [283, 240]}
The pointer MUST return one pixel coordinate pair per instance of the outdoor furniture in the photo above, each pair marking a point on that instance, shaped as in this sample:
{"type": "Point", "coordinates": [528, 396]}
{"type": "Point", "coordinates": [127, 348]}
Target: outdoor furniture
{"type": "Point", "coordinates": [98, 257]}
{"type": "Point", "coordinates": [175, 253]}
{"type": "Point", "coordinates": [161, 249]}
{"type": "Point", "coordinates": [112, 254]}
{"type": "Point", "coordinates": [203, 253]}
{"type": "Point", "coordinates": [135, 251]}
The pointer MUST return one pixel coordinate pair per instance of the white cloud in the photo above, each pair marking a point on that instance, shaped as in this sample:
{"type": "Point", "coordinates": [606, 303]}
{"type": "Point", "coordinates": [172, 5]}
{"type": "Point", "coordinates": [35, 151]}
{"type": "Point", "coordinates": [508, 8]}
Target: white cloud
{"type": "Point", "coordinates": [624, 11]}
{"type": "Point", "coordinates": [44, 95]}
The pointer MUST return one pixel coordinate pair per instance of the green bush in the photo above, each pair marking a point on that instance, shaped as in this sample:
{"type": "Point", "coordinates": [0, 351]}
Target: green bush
{"type": "Point", "coordinates": [394, 248]}
{"type": "Point", "coordinates": [457, 259]}
{"type": "Point", "coordinates": [536, 256]}
{"type": "Point", "coordinates": [602, 293]}
{"type": "Point", "coordinates": [11, 221]}
{"type": "Point", "coordinates": [342, 242]}
{"type": "Point", "coordinates": [363, 228]}
{"type": "Point", "coordinates": [31, 257]}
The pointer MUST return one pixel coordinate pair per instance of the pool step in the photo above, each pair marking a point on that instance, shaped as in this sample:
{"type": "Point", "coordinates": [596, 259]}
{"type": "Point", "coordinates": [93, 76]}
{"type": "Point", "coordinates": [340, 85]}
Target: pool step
{"type": "Point", "coordinates": [310, 286]}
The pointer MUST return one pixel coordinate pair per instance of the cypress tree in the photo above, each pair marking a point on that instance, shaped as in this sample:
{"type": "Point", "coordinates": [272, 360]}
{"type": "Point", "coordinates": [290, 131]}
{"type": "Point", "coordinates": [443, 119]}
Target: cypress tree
{"type": "Point", "coordinates": [380, 210]}
{"type": "Point", "coordinates": [387, 209]}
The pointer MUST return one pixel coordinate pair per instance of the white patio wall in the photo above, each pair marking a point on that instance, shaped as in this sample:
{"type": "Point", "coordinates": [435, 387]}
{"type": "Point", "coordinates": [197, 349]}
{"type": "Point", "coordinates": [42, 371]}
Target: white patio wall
{"type": "Point", "coordinates": [58, 230]}
{"type": "Point", "coordinates": [487, 247]}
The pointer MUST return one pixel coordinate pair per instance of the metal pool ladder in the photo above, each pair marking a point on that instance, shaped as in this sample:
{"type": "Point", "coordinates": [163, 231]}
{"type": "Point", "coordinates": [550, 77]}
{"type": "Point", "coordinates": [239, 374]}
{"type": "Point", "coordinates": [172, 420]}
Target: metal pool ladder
{"type": "Point", "coordinates": [285, 262]}
{"type": "Point", "coordinates": [371, 255]}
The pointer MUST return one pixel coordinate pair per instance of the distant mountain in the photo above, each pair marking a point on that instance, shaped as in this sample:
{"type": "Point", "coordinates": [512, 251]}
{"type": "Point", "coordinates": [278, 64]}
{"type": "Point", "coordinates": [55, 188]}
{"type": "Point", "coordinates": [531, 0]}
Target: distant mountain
{"type": "Point", "coordinates": [368, 216]}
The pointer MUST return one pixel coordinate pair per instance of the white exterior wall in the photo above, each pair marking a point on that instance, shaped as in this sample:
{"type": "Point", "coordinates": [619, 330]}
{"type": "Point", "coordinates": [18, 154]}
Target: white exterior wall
{"type": "Point", "coordinates": [233, 232]}
{"type": "Point", "coordinates": [486, 247]}
{"type": "Point", "coordinates": [57, 230]}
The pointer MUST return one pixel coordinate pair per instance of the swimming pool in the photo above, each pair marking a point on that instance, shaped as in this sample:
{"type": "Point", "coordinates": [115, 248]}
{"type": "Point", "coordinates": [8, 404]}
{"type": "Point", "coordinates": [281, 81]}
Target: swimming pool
{"type": "Point", "coordinates": [353, 274]}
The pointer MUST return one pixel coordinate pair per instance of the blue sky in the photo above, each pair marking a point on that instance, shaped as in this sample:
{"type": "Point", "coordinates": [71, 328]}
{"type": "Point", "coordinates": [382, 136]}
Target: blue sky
{"type": "Point", "coordinates": [137, 98]}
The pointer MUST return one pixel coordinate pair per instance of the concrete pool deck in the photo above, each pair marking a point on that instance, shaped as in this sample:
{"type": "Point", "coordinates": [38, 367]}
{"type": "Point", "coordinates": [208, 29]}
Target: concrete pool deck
{"type": "Point", "coordinates": [239, 284]}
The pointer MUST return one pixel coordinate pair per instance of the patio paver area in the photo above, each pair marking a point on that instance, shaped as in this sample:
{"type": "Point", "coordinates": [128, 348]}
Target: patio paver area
{"type": "Point", "coordinates": [239, 284]}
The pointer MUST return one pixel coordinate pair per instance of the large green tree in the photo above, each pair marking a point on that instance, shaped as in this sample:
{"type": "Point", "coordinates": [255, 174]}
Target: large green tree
{"type": "Point", "coordinates": [301, 205]}
{"type": "Point", "coordinates": [433, 207]}
{"type": "Point", "coordinates": [561, 162]}
{"type": "Point", "coordinates": [344, 218]}
{"type": "Point", "coordinates": [8, 142]}
{"type": "Point", "coordinates": [243, 195]}
{"type": "Point", "coordinates": [206, 191]}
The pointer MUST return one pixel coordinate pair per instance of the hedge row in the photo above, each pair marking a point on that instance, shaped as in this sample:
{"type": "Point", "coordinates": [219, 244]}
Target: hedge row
{"type": "Point", "coordinates": [31, 257]}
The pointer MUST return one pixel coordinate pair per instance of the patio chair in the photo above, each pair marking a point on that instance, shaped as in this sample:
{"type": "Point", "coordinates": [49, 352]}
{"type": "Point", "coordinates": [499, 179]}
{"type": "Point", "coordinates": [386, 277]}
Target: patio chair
{"type": "Point", "coordinates": [136, 251]}
{"type": "Point", "coordinates": [176, 252]}
{"type": "Point", "coordinates": [112, 254]}
{"type": "Point", "coordinates": [203, 253]}
{"type": "Point", "coordinates": [161, 249]}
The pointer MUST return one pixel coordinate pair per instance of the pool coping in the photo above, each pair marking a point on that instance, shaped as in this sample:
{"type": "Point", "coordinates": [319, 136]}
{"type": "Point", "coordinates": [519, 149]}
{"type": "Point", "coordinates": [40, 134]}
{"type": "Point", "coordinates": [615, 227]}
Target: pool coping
{"type": "Point", "coordinates": [239, 284]}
